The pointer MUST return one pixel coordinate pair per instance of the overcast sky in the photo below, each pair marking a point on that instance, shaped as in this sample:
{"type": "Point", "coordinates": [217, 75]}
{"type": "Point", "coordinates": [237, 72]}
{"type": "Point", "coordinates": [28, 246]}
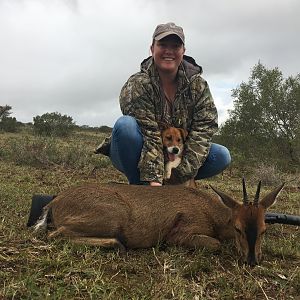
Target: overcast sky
{"type": "Point", "coordinates": [73, 56]}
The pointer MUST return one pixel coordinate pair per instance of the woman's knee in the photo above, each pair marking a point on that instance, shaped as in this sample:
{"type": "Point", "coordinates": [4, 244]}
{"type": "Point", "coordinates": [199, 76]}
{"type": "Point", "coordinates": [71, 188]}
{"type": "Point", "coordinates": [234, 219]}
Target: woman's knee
{"type": "Point", "coordinates": [127, 134]}
{"type": "Point", "coordinates": [126, 146]}
{"type": "Point", "coordinates": [222, 155]}
{"type": "Point", "coordinates": [126, 126]}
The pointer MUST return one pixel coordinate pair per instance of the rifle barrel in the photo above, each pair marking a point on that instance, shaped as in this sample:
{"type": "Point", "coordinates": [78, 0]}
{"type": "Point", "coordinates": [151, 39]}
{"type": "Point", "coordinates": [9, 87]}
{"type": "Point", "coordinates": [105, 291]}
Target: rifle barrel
{"type": "Point", "coordinates": [273, 218]}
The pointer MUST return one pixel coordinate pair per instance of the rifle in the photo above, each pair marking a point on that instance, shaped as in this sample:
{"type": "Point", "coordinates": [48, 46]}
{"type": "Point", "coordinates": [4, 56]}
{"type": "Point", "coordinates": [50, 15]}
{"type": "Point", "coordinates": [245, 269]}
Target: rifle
{"type": "Point", "coordinates": [279, 218]}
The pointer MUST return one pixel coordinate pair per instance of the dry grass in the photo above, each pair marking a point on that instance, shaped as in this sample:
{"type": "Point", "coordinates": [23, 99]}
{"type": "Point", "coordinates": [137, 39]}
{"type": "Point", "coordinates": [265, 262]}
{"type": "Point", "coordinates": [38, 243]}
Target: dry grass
{"type": "Point", "coordinates": [32, 268]}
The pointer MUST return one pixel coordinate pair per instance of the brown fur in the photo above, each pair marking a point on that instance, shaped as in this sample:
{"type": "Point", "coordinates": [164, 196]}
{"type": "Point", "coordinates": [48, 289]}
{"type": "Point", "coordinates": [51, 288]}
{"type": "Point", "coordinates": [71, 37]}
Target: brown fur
{"type": "Point", "coordinates": [132, 216]}
{"type": "Point", "coordinates": [173, 136]}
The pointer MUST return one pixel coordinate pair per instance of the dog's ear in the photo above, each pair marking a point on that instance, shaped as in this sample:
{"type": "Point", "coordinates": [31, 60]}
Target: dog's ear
{"type": "Point", "coordinates": [183, 133]}
{"type": "Point", "coordinates": [163, 126]}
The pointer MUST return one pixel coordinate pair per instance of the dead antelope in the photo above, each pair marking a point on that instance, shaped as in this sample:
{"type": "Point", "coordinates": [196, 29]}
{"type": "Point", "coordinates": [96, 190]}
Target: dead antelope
{"type": "Point", "coordinates": [133, 216]}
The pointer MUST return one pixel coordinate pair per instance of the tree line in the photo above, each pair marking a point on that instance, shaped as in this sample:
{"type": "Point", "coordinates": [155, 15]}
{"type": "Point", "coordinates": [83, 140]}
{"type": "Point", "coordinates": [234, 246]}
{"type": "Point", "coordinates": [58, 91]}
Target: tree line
{"type": "Point", "coordinates": [263, 126]}
{"type": "Point", "coordinates": [48, 124]}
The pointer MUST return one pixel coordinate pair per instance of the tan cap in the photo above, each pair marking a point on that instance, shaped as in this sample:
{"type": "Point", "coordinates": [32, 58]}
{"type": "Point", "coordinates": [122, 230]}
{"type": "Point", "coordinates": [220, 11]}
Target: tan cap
{"type": "Point", "coordinates": [163, 30]}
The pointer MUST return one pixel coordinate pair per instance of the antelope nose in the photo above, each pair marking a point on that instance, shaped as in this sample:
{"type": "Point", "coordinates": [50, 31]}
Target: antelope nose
{"type": "Point", "coordinates": [175, 150]}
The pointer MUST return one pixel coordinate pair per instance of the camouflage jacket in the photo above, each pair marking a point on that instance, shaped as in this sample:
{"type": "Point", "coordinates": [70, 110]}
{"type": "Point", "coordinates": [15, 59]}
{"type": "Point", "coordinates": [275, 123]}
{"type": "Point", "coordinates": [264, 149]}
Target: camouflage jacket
{"type": "Point", "coordinates": [192, 109]}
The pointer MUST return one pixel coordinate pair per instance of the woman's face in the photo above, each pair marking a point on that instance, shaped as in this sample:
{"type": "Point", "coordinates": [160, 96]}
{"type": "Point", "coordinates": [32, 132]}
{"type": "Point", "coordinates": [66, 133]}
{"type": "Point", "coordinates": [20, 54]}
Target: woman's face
{"type": "Point", "coordinates": [168, 53]}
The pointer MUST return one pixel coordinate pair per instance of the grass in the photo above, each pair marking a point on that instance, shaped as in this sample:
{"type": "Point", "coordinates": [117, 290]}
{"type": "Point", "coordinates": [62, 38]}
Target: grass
{"type": "Point", "coordinates": [34, 268]}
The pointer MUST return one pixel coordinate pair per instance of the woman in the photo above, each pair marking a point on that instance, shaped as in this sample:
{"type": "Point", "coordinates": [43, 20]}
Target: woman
{"type": "Point", "coordinates": [168, 89]}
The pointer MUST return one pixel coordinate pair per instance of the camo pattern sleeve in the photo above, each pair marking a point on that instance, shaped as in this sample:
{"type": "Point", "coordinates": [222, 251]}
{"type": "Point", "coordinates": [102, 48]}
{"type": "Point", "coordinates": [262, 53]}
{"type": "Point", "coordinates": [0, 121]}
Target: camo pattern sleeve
{"type": "Point", "coordinates": [204, 125]}
{"type": "Point", "coordinates": [137, 99]}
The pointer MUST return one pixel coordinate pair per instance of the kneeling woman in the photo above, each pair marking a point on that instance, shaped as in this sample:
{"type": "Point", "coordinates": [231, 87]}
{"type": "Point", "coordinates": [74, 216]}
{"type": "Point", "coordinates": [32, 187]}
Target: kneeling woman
{"type": "Point", "coordinates": [168, 89]}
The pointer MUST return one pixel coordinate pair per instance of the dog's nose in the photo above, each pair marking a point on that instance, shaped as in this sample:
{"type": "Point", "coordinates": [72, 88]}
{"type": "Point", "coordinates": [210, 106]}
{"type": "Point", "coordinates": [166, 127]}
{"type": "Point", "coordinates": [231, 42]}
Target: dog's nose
{"type": "Point", "coordinates": [175, 150]}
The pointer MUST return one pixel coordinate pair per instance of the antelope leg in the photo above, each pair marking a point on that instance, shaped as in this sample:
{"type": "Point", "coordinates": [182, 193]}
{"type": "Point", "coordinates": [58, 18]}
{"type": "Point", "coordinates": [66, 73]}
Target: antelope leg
{"type": "Point", "coordinates": [101, 242]}
{"type": "Point", "coordinates": [200, 240]}
{"type": "Point", "coordinates": [85, 240]}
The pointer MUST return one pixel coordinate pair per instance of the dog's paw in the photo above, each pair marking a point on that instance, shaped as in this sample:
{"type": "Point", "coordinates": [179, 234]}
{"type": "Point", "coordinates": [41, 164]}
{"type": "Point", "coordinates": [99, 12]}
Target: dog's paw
{"type": "Point", "coordinates": [168, 171]}
{"type": "Point", "coordinates": [167, 174]}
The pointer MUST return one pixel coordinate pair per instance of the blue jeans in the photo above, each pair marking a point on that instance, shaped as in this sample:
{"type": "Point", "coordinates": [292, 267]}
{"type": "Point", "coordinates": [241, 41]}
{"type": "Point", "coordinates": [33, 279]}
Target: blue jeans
{"type": "Point", "coordinates": [127, 144]}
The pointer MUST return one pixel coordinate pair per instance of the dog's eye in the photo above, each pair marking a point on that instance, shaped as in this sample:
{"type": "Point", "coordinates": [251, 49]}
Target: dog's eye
{"type": "Point", "coordinates": [179, 140]}
{"type": "Point", "coordinates": [169, 138]}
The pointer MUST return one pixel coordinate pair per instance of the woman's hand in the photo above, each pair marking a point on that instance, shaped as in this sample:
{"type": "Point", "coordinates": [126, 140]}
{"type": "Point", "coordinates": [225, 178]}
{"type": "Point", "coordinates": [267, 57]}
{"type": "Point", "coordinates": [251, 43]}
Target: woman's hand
{"type": "Point", "coordinates": [153, 183]}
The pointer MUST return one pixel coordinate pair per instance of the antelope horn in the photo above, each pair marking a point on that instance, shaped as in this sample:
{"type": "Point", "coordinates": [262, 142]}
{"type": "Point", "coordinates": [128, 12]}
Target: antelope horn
{"type": "Point", "coordinates": [245, 196]}
{"type": "Point", "coordinates": [256, 198]}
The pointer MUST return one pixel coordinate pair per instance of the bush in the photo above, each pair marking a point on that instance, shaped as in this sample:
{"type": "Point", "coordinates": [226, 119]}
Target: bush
{"type": "Point", "coordinates": [33, 152]}
{"type": "Point", "coordinates": [53, 124]}
{"type": "Point", "coordinates": [268, 174]}
{"type": "Point", "coordinates": [49, 151]}
{"type": "Point", "coordinates": [9, 124]}
{"type": "Point", "coordinates": [3, 153]}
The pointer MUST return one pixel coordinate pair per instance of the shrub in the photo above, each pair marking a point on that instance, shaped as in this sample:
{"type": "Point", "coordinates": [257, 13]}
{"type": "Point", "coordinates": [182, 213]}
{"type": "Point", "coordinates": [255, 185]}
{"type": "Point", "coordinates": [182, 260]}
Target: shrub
{"type": "Point", "coordinates": [51, 151]}
{"type": "Point", "coordinates": [34, 152]}
{"type": "Point", "coordinates": [9, 124]}
{"type": "Point", "coordinates": [53, 124]}
{"type": "Point", "coordinates": [268, 174]}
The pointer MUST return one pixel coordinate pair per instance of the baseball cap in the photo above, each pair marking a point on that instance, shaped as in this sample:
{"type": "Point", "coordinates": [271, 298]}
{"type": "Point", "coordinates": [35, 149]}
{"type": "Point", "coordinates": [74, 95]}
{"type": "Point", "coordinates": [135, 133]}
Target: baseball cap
{"type": "Point", "coordinates": [163, 30]}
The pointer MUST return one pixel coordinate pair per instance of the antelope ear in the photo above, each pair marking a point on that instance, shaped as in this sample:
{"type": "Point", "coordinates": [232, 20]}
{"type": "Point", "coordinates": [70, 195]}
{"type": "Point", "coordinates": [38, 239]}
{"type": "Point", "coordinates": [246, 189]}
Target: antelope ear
{"type": "Point", "coordinates": [227, 200]}
{"type": "Point", "coordinates": [184, 133]}
{"type": "Point", "coordinates": [270, 199]}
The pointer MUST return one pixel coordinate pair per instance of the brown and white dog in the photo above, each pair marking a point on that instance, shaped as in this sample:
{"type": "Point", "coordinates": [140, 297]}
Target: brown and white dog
{"type": "Point", "coordinates": [173, 142]}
